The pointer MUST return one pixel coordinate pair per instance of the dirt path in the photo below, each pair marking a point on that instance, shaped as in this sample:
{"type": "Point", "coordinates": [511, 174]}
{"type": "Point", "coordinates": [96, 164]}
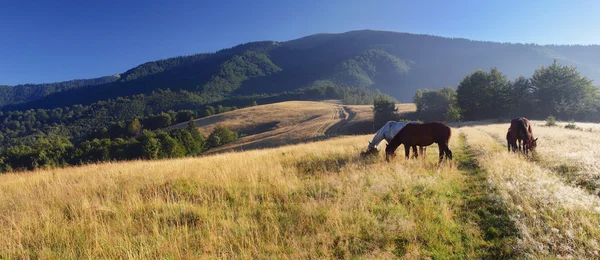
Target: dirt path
{"type": "Point", "coordinates": [339, 117]}
{"type": "Point", "coordinates": [346, 116]}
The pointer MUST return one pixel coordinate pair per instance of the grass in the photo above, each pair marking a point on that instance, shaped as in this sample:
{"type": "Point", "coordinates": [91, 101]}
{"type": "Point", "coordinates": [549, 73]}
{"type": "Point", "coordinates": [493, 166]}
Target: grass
{"type": "Point", "coordinates": [483, 206]}
{"type": "Point", "coordinates": [316, 200]}
{"type": "Point", "coordinates": [572, 155]}
{"type": "Point", "coordinates": [553, 218]}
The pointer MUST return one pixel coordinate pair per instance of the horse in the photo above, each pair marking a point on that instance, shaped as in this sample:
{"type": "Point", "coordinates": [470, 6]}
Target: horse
{"type": "Point", "coordinates": [387, 132]}
{"type": "Point", "coordinates": [421, 135]}
{"type": "Point", "coordinates": [520, 130]}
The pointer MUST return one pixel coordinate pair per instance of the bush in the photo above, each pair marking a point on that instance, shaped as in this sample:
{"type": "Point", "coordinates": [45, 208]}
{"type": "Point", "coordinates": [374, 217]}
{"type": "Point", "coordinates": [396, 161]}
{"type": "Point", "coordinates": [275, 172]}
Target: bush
{"type": "Point", "coordinates": [571, 125]}
{"type": "Point", "coordinates": [550, 121]}
{"type": "Point", "coordinates": [221, 135]}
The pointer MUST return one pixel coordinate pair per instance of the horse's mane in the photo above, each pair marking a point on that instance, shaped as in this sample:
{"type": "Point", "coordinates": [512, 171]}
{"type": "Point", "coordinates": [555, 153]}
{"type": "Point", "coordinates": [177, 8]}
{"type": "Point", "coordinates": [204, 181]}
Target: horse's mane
{"type": "Point", "coordinates": [395, 142]}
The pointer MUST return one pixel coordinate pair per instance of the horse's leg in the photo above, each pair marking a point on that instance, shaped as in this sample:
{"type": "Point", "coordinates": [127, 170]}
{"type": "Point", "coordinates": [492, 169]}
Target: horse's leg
{"type": "Point", "coordinates": [415, 153]}
{"type": "Point", "coordinates": [442, 152]}
{"type": "Point", "coordinates": [407, 151]}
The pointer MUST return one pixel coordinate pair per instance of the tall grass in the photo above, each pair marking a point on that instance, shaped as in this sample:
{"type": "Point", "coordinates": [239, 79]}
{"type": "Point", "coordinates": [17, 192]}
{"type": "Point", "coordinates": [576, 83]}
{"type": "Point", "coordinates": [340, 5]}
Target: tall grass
{"type": "Point", "coordinates": [573, 155]}
{"type": "Point", "coordinates": [554, 219]}
{"type": "Point", "coordinates": [313, 200]}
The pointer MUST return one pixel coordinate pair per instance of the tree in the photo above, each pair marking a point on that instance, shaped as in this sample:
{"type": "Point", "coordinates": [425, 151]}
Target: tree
{"type": "Point", "coordinates": [522, 98]}
{"type": "Point", "coordinates": [211, 109]}
{"type": "Point", "coordinates": [150, 145]}
{"type": "Point", "coordinates": [198, 139]}
{"type": "Point", "coordinates": [254, 103]}
{"type": "Point", "coordinates": [135, 127]}
{"type": "Point", "coordinates": [384, 110]}
{"type": "Point", "coordinates": [434, 104]}
{"type": "Point", "coordinates": [561, 91]}
{"type": "Point", "coordinates": [169, 147]}
{"type": "Point", "coordinates": [184, 115]}
{"type": "Point", "coordinates": [221, 135]}
{"type": "Point", "coordinates": [483, 95]}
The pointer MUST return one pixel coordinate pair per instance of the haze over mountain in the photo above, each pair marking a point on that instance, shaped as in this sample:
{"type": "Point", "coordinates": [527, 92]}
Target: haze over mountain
{"type": "Point", "coordinates": [395, 63]}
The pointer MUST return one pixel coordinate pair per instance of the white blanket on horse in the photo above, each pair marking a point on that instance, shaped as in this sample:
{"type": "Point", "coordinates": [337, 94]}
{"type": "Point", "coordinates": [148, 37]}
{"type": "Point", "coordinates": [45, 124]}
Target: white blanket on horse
{"type": "Point", "coordinates": [387, 132]}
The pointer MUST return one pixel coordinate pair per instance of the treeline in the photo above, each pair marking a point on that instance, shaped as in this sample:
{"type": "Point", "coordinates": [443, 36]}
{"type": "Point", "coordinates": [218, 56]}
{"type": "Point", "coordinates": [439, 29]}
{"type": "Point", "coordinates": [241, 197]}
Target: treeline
{"type": "Point", "coordinates": [60, 152]}
{"type": "Point", "coordinates": [556, 90]}
{"type": "Point", "coordinates": [103, 119]}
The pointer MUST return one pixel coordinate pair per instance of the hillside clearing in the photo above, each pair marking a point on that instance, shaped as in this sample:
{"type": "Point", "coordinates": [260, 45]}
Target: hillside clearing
{"type": "Point", "coordinates": [291, 122]}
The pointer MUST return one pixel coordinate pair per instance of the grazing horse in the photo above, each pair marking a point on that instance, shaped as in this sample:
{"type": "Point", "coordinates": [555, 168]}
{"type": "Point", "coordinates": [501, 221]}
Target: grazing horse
{"type": "Point", "coordinates": [520, 130]}
{"type": "Point", "coordinates": [421, 135]}
{"type": "Point", "coordinates": [388, 131]}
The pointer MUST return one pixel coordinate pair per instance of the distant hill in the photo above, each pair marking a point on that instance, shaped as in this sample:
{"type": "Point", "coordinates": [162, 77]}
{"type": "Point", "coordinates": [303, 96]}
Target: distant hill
{"type": "Point", "coordinates": [32, 92]}
{"type": "Point", "coordinates": [395, 63]}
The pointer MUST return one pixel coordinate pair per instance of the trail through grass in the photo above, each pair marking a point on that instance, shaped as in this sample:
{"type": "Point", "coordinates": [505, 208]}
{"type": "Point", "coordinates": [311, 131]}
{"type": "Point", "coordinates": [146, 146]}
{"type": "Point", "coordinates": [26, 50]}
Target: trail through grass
{"type": "Point", "coordinates": [553, 219]}
{"type": "Point", "coordinates": [483, 206]}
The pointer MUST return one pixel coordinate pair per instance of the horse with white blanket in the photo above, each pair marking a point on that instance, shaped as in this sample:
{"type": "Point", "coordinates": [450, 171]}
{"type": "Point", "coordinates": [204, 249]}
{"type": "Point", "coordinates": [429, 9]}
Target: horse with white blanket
{"type": "Point", "coordinates": [387, 132]}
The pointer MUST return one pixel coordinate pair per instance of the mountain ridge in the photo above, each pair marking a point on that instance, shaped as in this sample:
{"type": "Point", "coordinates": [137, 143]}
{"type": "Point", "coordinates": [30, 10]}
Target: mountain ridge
{"type": "Point", "coordinates": [300, 62]}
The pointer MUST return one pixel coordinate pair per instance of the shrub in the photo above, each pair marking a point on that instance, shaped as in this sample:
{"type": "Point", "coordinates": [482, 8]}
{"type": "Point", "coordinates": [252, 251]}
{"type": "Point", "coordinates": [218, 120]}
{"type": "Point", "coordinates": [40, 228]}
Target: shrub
{"type": "Point", "coordinates": [221, 135]}
{"type": "Point", "coordinates": [550, 121]}
{"type": "Point", "coordinates": [571, 125]}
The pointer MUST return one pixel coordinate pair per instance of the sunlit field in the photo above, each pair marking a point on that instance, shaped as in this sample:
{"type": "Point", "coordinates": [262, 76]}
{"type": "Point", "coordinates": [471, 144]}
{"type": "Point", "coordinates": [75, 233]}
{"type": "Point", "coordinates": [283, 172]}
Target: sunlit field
{"type": "Point", "coordinates": [574, 154]}
{"type": "Point", "coordinates": [315, 200]}
{"type": "Point", "coordinates": [553, 217]}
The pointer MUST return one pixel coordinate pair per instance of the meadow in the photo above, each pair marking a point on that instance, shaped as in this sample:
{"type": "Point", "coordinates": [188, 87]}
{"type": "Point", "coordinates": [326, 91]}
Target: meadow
{"type": "Point", "coordinates": [317, 200]}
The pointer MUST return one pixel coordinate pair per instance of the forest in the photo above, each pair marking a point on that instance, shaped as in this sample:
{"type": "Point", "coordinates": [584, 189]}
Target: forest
{"type": "Point", "coordinates": [556, 90]}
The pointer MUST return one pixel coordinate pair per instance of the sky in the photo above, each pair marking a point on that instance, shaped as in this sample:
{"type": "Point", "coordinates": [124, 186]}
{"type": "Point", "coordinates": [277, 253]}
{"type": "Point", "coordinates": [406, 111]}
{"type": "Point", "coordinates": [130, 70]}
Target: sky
{"type": "Point", "coordinates": [50, 41]}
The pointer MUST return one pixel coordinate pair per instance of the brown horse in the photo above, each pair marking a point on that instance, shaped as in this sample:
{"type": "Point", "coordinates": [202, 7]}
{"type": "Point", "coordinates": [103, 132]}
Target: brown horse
{"type": "Point", "coordinates": [520, 130]}
{"type": "Point", "coordinates": [422, 135]}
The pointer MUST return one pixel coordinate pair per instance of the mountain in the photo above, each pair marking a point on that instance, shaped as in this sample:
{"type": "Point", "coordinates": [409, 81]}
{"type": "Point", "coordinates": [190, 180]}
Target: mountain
{"type": "Point", "coordinates": [395, 63]}
{"type": "Point", "coordinates": [32, 92]}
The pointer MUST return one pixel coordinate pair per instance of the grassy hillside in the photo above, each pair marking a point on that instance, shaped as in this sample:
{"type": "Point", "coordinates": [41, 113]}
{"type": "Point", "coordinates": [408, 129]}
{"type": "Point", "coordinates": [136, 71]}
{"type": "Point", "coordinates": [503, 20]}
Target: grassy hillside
{"type": "Point", "coordinates": [290, 122]}
{"type": "Point", "coordinates": [316, 200]}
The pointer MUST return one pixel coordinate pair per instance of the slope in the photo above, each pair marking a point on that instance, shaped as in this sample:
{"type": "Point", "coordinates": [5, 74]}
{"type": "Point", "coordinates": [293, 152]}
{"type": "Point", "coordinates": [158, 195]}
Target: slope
{"type": "Point", "coordinates": [396, 63]}
{"type": "Point", "coordinates": [290, 122]}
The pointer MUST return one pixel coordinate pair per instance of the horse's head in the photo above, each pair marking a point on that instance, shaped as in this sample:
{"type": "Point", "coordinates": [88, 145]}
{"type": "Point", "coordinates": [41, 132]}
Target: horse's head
{"type": "Point", "coordinates": [532, 144]}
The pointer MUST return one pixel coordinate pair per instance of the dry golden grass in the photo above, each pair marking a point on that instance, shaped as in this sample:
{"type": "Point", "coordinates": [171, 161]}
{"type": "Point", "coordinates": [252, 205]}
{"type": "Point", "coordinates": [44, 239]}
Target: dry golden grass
{"type": "Point", "coordinates": [273, 124]}
{"type": "Point", "coordinates": [573, 154]}
{"type": "Point", "coordinates": [314, 200]}
{"type": "Point", "coordinates": [554, 219]}
{"type": "Point", "coordinates": [291, 122]}
{"type": "Point", "coordinates": [365, 112]}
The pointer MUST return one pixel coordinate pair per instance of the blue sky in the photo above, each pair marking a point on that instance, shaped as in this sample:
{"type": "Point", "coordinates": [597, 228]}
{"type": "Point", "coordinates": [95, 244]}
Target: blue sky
{"type": "Point", "coordinates": [49, 41]}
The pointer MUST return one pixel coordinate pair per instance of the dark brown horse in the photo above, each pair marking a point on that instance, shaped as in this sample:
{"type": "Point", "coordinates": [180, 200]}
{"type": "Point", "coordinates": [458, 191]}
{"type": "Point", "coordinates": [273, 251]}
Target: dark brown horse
{"type": "Point", "coordinates": [421, 135]}
{"type": "Point", "coordinates": [520, 130]}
